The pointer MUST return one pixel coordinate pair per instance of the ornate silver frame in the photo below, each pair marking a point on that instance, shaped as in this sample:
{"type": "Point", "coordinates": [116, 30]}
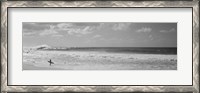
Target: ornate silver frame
{"type": "Point", "coordinates": [165, 88]}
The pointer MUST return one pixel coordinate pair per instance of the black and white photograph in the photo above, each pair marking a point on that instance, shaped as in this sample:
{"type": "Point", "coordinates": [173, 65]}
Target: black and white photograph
{"type": "Point", "coordinates": [99, 46]}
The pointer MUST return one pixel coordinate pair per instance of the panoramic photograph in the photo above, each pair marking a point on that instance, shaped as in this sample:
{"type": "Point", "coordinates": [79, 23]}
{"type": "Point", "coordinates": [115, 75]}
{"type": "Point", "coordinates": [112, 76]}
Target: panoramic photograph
{"type": "Point", "coordinates": [99, 46]}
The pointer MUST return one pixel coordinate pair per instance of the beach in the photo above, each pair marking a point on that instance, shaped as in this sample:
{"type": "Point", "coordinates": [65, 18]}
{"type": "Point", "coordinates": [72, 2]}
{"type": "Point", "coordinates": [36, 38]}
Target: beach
{"type": "Point", "coordinates": [94, 60]}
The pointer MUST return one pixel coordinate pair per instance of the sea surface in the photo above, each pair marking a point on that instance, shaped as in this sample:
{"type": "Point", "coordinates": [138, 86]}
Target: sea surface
{"type": "Point", "coordinates": [136, 50]}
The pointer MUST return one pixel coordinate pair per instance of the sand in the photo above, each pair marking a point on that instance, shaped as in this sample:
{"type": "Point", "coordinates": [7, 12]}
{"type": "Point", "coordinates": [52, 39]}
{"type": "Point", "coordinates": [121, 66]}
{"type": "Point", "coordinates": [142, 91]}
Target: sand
{"type": "Point", "coordinates": [76, 60]}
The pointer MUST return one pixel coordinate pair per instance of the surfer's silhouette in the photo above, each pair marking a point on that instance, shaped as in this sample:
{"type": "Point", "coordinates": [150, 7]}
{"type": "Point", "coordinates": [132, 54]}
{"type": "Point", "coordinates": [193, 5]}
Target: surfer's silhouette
{"type": "Point", "coordinates": [50, 62]}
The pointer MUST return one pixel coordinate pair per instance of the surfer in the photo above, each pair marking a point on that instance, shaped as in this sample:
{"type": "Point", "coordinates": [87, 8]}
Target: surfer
{"type": "Point", "coordinates": [50, 62]}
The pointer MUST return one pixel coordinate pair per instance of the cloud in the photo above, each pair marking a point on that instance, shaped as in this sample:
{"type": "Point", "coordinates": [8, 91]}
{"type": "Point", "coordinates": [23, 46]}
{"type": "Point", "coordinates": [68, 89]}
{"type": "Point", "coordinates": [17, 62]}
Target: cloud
{"type": "Point", "coordinates": [120, 26]}
{"type": "Point", "coordinates": [86, 24]}
{"type": "Point", "coordinates": [144, 29]}
{"type": "Point", "coordinates": [168, 31]}
{"type": "Point", "coordinates": [97, 36]}
{"type": "Point", "coordinates": [57, 35]}
{"type": "Point", "coordinates": [64, 26]}
{"type": "Point", "coordinates": [71, 30]}
{"type": "Point", "coordinates": [82, 30]}
{"type": "Point", "coordinates": [44, 29]}
{"type": "Point", "coordinates": [48, 31]}
{"type": "Point", "coordinates": [31, 28]}
{"type": "Point", "coordinates": [27, 33]}
{"type": "Point", "coordinates": [77, 29]}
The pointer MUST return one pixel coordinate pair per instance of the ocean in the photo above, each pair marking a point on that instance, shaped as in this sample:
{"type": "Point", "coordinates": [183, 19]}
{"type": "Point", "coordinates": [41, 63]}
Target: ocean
{"type": "Point", "coordinates": [136, 50]}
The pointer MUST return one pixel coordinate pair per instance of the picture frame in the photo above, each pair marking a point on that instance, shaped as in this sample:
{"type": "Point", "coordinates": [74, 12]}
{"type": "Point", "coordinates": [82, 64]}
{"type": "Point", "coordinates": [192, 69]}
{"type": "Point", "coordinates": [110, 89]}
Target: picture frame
{"type": "Point", "coordinates": [5, 5]}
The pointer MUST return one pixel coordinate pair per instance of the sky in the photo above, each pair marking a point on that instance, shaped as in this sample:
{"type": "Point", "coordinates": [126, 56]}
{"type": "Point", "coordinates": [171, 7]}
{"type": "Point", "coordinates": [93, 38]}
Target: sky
{"type": "Point", "coordinates": [99, 34]}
